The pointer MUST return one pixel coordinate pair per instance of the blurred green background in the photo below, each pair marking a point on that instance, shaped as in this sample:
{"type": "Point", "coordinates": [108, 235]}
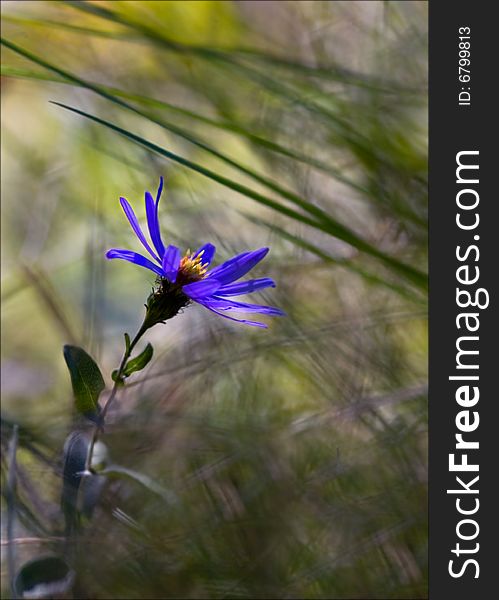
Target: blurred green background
{"type": "Point", "coordinates": [296, 456]}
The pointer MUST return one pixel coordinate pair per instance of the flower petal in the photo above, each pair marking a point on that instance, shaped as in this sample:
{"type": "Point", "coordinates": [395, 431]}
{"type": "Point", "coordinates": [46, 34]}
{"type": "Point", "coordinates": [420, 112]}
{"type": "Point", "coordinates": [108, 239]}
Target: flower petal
{"type": "Point", "coordinates": [153, 224]}
{"type": "Point", "coordinates": [238, 266]}
{"type": "Point", "coordinates": [201, 289]}
{"type": "Point", "coordinates": [231, 305]}
{"type": "Point", "coordinates": [158, 193]}
{"type": "Point", "coordinates": [171, 262]}
{"type": "Point", "coordinates": [245, 287]}
{"type": "Point", "coordinates": [208, 251]}
{"type": "Point", "coordinates": [135, 258]}
{"type": "Point", "coordinates": [244, 321]}
{"type": "Point", "coordinates": [215, 270]}
{"type": "Point", "coordinates": [136, 227]}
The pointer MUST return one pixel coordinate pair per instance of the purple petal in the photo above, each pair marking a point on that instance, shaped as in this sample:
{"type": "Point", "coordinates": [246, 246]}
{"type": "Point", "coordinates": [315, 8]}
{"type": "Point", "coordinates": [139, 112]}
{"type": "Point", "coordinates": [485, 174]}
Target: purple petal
{"type": "Point", "coordinates": [215, 270]}
{"type": "Point", "coordinates": [245, 287]}
{"type": "Point", "coordinates": [153, 224]}
{"type": "Point", "coordinates": [238, 266]}
{"type": "Point", "coordinates": [201, 289]}
{"type": "Point", "coordinates": [244, 321]}
{"type": "Point", "coordinates": [208, 251]}
{"type": "Point", "coordinates": [135, 258]}
{"type": "Point", "coordinates": [171, 262]}
{"type": "Point", "coordinates": [232, 305]}
{"type": "Point", "coordinates": [136, 227]}
{"type": "Point", "coordinates": [158, 193]}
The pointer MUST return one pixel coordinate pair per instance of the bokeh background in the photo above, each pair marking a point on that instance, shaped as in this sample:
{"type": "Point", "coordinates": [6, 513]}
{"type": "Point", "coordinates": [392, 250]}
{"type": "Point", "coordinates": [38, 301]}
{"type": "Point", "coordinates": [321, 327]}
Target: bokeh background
{"type": "Point", "coordinates": [285, 463]}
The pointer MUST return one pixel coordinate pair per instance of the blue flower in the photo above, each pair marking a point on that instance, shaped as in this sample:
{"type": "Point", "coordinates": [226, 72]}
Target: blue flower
{"type": "Point", "coordinates": [188, 278]}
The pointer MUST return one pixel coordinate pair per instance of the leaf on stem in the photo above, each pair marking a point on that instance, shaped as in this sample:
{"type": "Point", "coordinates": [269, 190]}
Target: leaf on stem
{"type": "Point", "coordinates": [86, 379]}
{"type": "Point", "coordinates": [139, 362]}
{"type": "Point", "coordinates": [127, 343]}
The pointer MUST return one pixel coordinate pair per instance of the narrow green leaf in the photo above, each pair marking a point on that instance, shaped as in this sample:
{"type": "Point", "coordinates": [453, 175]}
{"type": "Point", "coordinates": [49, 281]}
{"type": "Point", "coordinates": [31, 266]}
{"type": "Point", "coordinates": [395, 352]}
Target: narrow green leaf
{"type": "Point", "coordinates": [234, 54]}
{"type": "Point", "coordinates": [86, 379]}
{"type": "Point", "coordinates": [139, 362]}
{"type": "Point", "coordinates": [127, 343]}
{"type": "Point", "coordinates": [288, 194]}
{"type": "Point", "coordinates": [332, 227]}
{"type": "Point", "coordinates": [124, 34]}
{"type": "Point", "coordinates": [341, 262]}
{"type": "Point", "coordinates": [318, 218]}
{"type": "Point", "coordinates": [258, 140]}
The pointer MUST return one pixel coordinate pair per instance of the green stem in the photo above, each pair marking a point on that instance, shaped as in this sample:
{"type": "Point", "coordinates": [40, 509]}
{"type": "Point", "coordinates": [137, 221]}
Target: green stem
{"type": "Point", "coordinates": [143, 328]}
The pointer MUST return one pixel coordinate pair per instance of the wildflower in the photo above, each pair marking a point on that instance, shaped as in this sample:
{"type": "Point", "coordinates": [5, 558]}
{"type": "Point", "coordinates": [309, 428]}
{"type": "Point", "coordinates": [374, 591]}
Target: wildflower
{"type": "Point", "coordinates": [182, 280]}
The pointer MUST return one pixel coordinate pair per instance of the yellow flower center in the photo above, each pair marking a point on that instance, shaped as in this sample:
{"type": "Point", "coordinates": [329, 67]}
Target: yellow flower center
{"type": "Point", "coordinates": [191, 269]}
